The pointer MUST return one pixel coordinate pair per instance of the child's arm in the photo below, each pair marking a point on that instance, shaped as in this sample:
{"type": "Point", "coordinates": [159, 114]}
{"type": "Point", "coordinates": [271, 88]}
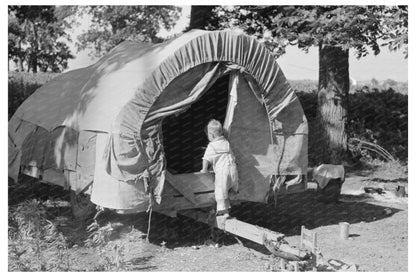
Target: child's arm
{"type": "Point", "coordinates": [205, 165]}
{"type": "Point", "coordinates": [206, 159]}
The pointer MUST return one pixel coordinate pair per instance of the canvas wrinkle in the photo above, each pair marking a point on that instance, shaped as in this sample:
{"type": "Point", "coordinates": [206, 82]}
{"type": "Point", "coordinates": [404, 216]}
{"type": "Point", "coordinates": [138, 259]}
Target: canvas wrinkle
{"type": "Point", "coordinates": [24, 129]}
{"type": "Point", "coordinates": [32, 147]}
{"type": "Point", "coordinates": [212, 44]}
{"type": "Point", "coordinates": [251, 52]}
{"type": "Point", "coordinates": [260, 63]}
{"type": "Point", "coordinates": [276, 108]}
{"type": "Point", "coordinates": [192, 96]}
{"type": "Point", "coordinates": [217, 44]}
{"type": "Point", "coordinates": [270, 78]}
{"type": "Point", "coordinates": [224, 47]}
{"type": "Point", "coordinates": [13, 152]}
{"type": "Point", "coordinates": [242, 58]}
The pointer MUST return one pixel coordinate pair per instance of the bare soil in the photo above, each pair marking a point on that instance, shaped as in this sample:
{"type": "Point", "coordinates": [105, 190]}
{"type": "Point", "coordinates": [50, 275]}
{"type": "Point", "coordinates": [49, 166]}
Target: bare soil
{"type": "Point", "coordinates": [378, 238]}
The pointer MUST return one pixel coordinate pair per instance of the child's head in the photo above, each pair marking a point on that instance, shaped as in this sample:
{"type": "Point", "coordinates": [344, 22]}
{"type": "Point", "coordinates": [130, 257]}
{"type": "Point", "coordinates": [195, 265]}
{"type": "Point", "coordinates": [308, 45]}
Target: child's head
{"type": "Point", "coordinates": [214, 129]}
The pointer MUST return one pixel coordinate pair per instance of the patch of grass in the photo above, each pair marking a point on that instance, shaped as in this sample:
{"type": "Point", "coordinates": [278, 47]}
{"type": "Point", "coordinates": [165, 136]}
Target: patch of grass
{"type": "Point", "coordinates": [36, 243]}
{"type": "Point", "coordinates": [391, 170]}
{"type": "Point", "coordinates": [32, 236]}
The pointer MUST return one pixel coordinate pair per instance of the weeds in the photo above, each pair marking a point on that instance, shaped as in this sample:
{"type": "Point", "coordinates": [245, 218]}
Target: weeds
{"type": "Point", "coordinates": [32, 237]}
{"type": "Point", "coordinates": [111, 254]}
{"type": "Point", "coordinates": [36, 244]}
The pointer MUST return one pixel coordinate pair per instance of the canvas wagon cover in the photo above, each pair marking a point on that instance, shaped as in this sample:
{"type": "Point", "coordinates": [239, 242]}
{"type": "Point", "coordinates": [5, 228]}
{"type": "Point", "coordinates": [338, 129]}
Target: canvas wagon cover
{"type": "Point", "coordinates": [101, 125]}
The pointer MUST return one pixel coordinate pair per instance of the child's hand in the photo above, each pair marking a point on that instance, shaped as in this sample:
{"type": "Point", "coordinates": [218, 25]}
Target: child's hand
{"type": "Point", "coordinates": [204, 171]}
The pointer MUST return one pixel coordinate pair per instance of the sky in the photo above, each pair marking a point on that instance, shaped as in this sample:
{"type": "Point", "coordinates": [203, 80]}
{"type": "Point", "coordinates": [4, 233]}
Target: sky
{"type": "Point", "coordinates": [296, 64]}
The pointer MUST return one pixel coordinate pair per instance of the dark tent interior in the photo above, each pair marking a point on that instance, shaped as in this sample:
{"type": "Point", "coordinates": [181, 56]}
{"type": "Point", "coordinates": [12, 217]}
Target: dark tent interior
{"type": "Point", "coordinates": [184, 136]}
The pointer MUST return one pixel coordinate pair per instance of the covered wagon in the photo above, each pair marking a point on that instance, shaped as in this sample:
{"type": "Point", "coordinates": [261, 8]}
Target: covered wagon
{"type": "Point", "coordinates": [129, 129]}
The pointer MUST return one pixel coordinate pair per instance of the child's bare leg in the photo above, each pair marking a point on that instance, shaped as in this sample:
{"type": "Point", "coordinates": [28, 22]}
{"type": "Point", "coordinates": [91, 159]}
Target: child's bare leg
{"type": "Point", "coordinates": [221, 192]}
{"type": "Point", "coordinates": [223, 205]}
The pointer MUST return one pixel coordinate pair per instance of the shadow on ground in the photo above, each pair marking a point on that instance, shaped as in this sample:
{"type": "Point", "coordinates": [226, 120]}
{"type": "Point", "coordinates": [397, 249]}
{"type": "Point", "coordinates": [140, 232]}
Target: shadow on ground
{"type": "Point", "coordinates": [290, 212]}
{"type": "Point", "coordinates": [286, 215]}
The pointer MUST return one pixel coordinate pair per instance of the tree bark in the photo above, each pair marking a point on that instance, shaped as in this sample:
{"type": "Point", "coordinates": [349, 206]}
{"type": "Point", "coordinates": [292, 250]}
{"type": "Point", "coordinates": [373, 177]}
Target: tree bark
{"type": "Point", "coordinates": [333, 92]}
{"type": "Point", "coordinates": [20, 64]}
{"type": "Point", "coordinates": [35, 49]}
{"type": "Point", "coordinates": [19, 57]}
{"type": "Point", "coordinates": [34, 62]}
{"type": "Point", "coordinates": [200, 16]}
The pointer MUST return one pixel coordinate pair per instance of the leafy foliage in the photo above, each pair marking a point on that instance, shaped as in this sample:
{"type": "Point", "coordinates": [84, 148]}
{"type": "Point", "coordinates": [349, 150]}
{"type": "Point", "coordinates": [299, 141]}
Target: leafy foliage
{"type": "Point", "coordinates": [376, 116]}
{"type": "Point", "coordinates": [395, 23]}
{"type": "Point", "coordinates": [36, 38]}
{"type": "Point", "coordinates": [380, 117]}
{"type": "Point", "coordinates": [112, 25]}
{"type": "Point", "coordinates": [358, 27]}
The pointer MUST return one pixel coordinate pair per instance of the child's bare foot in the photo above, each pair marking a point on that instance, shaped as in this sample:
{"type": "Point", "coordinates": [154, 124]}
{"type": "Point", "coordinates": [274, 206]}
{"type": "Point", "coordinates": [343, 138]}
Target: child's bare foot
{"type": "Point", "coordinates": [223, 214]}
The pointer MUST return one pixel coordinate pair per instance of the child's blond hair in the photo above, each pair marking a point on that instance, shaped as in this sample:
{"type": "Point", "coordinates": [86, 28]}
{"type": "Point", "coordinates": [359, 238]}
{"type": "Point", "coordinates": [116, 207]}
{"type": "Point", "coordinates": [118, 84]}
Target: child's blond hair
{"type": "Point", "coordinates": [214, 129]}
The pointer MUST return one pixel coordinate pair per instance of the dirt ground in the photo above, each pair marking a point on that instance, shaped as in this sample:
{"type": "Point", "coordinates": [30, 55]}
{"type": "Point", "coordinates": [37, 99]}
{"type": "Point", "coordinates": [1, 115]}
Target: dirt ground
{"type": "Point", "coordinates": [378, 238]}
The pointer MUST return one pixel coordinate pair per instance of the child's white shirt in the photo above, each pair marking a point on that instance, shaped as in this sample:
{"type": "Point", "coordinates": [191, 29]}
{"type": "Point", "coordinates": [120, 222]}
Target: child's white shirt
{"type": "Point", "coordinates": [219, 153]}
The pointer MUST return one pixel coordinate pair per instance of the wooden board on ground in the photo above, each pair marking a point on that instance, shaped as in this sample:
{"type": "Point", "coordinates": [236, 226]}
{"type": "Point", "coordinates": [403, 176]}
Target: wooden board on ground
{"type": "Point", "coordinates": [181, 203]}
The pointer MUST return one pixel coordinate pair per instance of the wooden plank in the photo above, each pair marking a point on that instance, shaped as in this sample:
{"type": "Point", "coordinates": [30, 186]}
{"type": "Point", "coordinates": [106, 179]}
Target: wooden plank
{"type": "Point", "coordinates": [307, 232]}
{"type": "Point", "coordinates": [169, 191]}
{"type": "Point", "coordinates": [182, 203]}
{"type": "Point", "coordinates": [314, 243]}
{"type": "Point", "coordinates": [302, 237]}
{"type": "Point", "coordinates": [182, 187]}
{"type": "Point", "coordinates": [235, 226]}
{"type": "Point", "coordinates": [259, 234]}
{"type": "Point", "coordinates": [308, 235]}
{"type": "Point", "coordinates": [308, 244]}
{"type": "Point", "coordinates": [196, 182]}
{"type": "Point", "coordinates": [248, 231]}
{"type": "Point", "coordinates": [251, 232]}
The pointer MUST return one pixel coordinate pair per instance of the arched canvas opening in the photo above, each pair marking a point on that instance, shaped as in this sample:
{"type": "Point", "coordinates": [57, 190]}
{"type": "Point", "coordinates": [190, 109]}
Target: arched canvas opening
{"type": "Point", "coordinates": [196, 95]}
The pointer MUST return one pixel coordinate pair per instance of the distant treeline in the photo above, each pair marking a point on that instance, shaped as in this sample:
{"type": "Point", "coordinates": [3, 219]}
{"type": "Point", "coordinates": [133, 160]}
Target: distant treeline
{"type": "Point", "coordinates": [377, 114]}
{"type": "Point", "coordinates": [22, 84]}
{"type": "Point", "coordinates": [362, 86]}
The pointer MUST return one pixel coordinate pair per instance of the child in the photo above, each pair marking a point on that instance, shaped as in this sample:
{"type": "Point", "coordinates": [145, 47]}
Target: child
{"type": "Point", "coordinates": [219, 154]}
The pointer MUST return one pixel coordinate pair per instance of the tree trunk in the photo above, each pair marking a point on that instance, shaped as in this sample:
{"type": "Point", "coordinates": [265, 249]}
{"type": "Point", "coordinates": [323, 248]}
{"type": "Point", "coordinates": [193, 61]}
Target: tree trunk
{"type": "Point", "coordinates": [20, 64]}
{"type": "Point", "coordinates": [20, 58]}
{"type": "Point", "coordinates": [34, 62]}
{"type": "Point", "coordinates": [333, 104]}
{"type": "Point", "coordinates": [35, 45]}
{"type": "Point", "coordinates": [200, 16]}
